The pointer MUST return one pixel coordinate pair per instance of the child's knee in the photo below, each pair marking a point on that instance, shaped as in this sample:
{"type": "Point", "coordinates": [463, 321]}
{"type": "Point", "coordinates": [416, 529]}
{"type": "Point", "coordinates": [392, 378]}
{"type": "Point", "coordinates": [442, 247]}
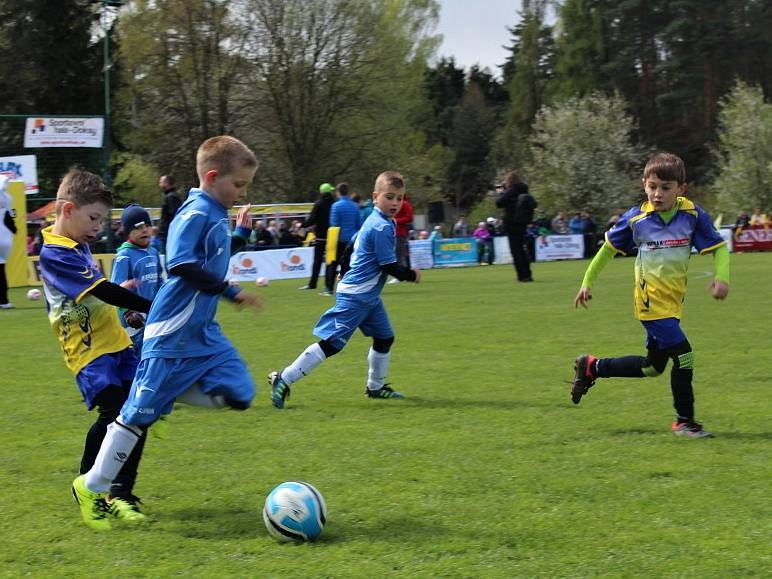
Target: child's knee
{"type": "Point", "coordinates": [683, 356]}
{"type": "Point", "coordinates": [383, 345]}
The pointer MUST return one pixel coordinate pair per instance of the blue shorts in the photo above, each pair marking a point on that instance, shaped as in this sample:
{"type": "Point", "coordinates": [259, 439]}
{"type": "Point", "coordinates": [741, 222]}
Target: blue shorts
{"type": "Point", "coordinates": [663, 334]}
{"type": "Point", "coordinates": [340, 322]}
{"type": "Point", "coordinates": [115, 369]}
{"type": "Point", "coordinates": [160, 380]}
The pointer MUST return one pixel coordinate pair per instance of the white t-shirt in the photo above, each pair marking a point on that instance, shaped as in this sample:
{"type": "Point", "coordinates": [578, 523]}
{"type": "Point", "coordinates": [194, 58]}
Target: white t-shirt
{"type": "Point", "coordinates": [6, 237]}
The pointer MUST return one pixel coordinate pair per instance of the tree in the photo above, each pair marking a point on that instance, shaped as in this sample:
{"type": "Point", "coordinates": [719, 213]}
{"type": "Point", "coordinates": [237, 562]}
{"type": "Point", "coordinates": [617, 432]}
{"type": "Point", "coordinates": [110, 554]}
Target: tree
{"type": "Point", "coordinates": [583, 156]}
{"type": "Point", "coordinates": [744, 151]}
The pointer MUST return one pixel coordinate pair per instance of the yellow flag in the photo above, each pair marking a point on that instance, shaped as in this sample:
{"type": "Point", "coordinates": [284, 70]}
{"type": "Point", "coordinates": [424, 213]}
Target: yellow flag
{"type": "Point", "coordinates": [332, 245]}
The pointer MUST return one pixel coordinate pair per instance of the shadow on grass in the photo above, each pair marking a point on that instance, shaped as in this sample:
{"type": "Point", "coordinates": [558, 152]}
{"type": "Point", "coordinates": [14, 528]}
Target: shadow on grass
{"type": "Point", "coordinates": [744, 435]}
{"type": "Point", "coordinates": [399, 530]}
{"type": "Point", "coordinates": [213, 522]}
{"type": "Point", "coordinates": [636, 431]}
{"type": "Point", "coordinates": [494, 403]}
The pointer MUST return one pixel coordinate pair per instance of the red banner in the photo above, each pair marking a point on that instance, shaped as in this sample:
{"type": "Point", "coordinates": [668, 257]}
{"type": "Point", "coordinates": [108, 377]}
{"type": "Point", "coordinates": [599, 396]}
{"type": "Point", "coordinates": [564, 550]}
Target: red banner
{"type": "Point", "coordinates": [753, 238]}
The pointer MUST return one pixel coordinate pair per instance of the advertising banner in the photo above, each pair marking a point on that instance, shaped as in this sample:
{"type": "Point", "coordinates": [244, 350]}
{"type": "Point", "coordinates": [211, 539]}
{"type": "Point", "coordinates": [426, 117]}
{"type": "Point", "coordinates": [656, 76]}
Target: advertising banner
{"type": "Point", "coordinates": [455, 251]}
{"type": "Point", "coordinates": [61, 132]}
{"type": "Point", "coordinates": [421, 254]}
{"type": "Point", "coordinates": [553, 247]}
{"type": "Point", "coordinates": [272, 264]}
{"type": "Point", "coordinates": [753, 238]}
{"type": "Point", "coordinates": [21, 168]}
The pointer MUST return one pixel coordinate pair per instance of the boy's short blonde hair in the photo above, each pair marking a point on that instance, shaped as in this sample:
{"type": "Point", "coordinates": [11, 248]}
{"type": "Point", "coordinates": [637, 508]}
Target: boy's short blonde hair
{"type": "Point", "coordinates": [389, 179]}
{"type": "Point", "coordinates": [666, 166]}
{"type": "Point", "coordinates": [223, 154]}
{"type": "Point", "coordinates": [82, 188]}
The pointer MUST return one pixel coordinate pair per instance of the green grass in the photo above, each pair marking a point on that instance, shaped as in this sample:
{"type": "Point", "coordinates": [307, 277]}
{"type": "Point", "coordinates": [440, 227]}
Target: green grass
{"type": "Point", "coordinates": [487, 470]}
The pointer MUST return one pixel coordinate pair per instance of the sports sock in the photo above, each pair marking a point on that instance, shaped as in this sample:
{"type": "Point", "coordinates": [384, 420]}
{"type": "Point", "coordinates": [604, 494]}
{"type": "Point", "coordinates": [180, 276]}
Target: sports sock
{"type": "Point", "coordinates": [116, 448]}
{"type": "Point", "coordinates": [683, 394]}
{"type": "Point", "coordinates": [303, 364]}
{"type": "Point", "coordinates": [378, 368]}
{"type": "Point", "coordinates": [624, 367]}
{"type": "Point", "coordinates": [195, 397]}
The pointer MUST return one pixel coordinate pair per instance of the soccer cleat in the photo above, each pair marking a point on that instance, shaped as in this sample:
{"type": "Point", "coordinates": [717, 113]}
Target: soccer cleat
{"type": "Point", "coordinates": [93, 507]}
{"type": "Point", "coordinates": [690, 429]}
{"type": "Point", "coordinates": [280, 390]}
{"type": "Point", "coordinates": [326, 293]}
{"type": "Point", "coordinates": [384, 392]}
{"type": "Point", "coordinates": [8, 306]}
{"type": "Point", "coordinates": [307, 287]}
{"type": "Point", "coordinates": [126, 509]}
{"type": "Point", "coordinates": [584, 377]}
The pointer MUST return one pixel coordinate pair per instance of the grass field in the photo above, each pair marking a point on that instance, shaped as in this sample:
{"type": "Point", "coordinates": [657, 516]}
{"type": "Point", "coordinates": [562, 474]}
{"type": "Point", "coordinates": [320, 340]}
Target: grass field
{"type": "Point", "coordinates": [487, 470]}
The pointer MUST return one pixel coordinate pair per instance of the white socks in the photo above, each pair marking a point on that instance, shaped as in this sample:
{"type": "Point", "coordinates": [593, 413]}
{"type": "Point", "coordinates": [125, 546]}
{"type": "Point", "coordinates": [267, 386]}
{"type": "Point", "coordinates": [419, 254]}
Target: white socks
{"type": "Point", "coordinates": [303, 364]}
{"type": "Point", "coordinates": [115, 450]}
{"type": "Point", "coordinates": [195, 397]}
{"type": "Point", "coordinates": [379, 367]}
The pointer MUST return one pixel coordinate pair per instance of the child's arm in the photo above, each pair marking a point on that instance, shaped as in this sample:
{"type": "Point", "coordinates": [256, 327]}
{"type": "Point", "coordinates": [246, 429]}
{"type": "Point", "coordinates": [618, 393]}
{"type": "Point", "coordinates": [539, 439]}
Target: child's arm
{"type": "Point", "coordinates": [719, 287]}
{"type": "Point", "coordinates": [202, 280]}
{"type": "Point", "coordinates": [120, 297]}
{"type": "Point", "coordinates": [402, 273]}
{"type": "Point", "coordinates": [243, 229]}
{"type": "Point", "coordinates": [602, 258]}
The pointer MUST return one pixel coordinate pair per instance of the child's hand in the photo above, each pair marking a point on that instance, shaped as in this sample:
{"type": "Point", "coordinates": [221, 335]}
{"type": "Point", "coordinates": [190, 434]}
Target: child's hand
{"type": "Point", "coordinates": [130, 284]}
{"type": "Point", "coordinates": [718, 289]}
{"type": "Point", "coordinates": [249, 300]}
{"type": "Point", "coordinates": [135, 319]}
{"type": "Point", "coordinates": [242, 217]}
{"type": "Point", "coordinates": [417, 275]}
{"type": "Point", "coordinates": [583, 297]}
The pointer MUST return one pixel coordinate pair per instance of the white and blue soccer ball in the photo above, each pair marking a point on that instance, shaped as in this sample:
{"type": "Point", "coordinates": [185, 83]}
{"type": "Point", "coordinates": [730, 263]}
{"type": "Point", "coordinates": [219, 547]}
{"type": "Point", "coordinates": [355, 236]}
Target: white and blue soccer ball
{"type": "Point", "coordinates": [295, 511]}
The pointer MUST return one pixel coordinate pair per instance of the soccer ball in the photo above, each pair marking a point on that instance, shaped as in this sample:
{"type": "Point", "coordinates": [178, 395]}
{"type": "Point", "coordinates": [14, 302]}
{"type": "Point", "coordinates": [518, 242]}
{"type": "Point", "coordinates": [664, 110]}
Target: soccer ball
{"type": "Point", "coordinates": [261, 281]}
{"type": "Point", "coordinates": [34, 294]}
{"type": "Point", "coordinates": [294, 511]}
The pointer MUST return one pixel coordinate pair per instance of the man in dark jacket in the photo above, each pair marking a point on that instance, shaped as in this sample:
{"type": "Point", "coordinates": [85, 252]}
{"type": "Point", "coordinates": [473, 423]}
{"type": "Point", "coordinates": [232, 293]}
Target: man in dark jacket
{"type": "Point", "coordinates": [518, 206]}
{"type": "Point", "coordinates": [171, 203]}
{"type": "Point", "coordinates": [319, 220]}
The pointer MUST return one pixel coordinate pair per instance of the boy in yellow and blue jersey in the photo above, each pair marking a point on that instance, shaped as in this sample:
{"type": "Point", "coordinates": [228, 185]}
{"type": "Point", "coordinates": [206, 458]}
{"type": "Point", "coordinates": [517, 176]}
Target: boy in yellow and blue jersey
{"type": "Point", "coordinates": [81, 308]}
{"type": "Point", "coordinates": [663, 230]}
{"type": "Point", "coordinates": [185, 355]}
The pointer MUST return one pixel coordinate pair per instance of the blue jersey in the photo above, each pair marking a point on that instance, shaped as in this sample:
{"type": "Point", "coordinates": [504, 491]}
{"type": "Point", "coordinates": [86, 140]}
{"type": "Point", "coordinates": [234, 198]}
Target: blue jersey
{"type": "Point", "coordinates": [143, 265]}
{"type": "Point", "coordinates": [373, 248]}
{"type": "Point", "coordinates": [181, 320]}
{"type": "Point", "coordinates": [345, 214]}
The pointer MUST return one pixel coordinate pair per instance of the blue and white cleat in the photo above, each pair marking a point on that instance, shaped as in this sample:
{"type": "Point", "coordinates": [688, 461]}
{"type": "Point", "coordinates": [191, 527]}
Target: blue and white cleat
{"type": "Point", "coordinates": [280, 390]}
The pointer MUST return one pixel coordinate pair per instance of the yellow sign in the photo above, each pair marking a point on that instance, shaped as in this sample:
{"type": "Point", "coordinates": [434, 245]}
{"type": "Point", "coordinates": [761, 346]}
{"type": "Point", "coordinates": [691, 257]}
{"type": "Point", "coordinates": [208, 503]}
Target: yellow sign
{"type": "Point", "coordinates": [14, 270]}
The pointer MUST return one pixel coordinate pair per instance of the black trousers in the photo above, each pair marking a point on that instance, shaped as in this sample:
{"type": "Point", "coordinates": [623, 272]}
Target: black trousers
{"type": "Point", "coordinates": [3, 285]}
{"type": "Point", "coordinates": [341, 261]}
{"type": "Point", "coordinates": [319, 251]}
{"type": "Point", "coordinates": [108, 404]}
{"type": "Point", "coordinates": [519, 253]}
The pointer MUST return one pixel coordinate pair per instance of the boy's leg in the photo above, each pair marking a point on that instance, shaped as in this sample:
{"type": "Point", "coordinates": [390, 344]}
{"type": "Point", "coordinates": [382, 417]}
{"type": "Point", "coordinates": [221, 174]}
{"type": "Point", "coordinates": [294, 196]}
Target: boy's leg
{"type": "Point", "coordinates": [588, 368]}
{"type": "Point", "coordinates": [377, 325]}
{"type": "Point", "coordinates": [683, 395]}
{"type": "Point", "coordinates": [304, 364]}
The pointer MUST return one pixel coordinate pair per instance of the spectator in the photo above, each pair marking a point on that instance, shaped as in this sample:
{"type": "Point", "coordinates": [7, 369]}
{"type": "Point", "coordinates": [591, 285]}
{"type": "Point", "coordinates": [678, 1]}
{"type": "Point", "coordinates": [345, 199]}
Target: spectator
{"type": "Point", "coordinates": [7, 231]}
{"type": "Point", "coordinates": [758, 218]}
{"type": "Point", "coordinates": [423, 234]}
{"type": "Point", "coordinates": [273, 231]}
{"type": "Point", "coordinates": [404, 220]}
{"type": "Point", "coordinates": [590, 233]}
{"type": "Point", "coordinates": [461, 229]}
{"type": "Point", "coordinates": [365, 209]}
{"type": "Point", "coordinates": [518, 206]}
{"type": "Point", "coordinates": [559, 225]}
{"type": "Point", "coordinates": [484, 243]}
{"type": "Point", "coordinates": [575, 224]}
{"type": "Point", "coordinates": [319, 221]}
{"type": "Point", "coordinates": [171, 204]}
{"type": "Point", "coordinates": [436, 233]}
{"type": "Point", "coordinates": [345, 215]}
{"type": "Point", "coordinates": [260, 237]}
{"type": "Point", "coordinates": [743, 220]}
{"type": "Point", "coordinates": [286, 238]}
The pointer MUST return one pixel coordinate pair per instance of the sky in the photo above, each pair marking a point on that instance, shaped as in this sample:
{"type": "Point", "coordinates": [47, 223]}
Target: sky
{"type": "Point", "coordinates": [475, 31]}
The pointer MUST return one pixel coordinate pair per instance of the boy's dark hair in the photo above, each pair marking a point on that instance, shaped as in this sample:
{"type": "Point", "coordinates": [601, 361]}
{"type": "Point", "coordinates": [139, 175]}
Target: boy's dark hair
{"type": "Point", "coordinates": [224, 154]}
{"type": "Point", "coordinates": [82, 188]}
{"type": "Point", "coordinates": [390, 179]}
{"type": "Point", "coordinates": [343, 189]}
{"type": "Point", "coordinates": [666, 166]}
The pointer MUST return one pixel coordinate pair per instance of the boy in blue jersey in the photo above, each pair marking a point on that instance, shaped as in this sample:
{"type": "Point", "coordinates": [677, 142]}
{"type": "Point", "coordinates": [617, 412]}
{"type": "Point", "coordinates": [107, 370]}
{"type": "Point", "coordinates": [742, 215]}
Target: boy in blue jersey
{"type": "Point", "coordinates": [137, 263]}
{"type": "Point", "coordinates": [81, 308]}
{"type": "Point", "coordinates": [358, 301]}
{"type": "Point", "coordinates": [183, 344]}
{"type": "Point", "coordinates": [663, 230]}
